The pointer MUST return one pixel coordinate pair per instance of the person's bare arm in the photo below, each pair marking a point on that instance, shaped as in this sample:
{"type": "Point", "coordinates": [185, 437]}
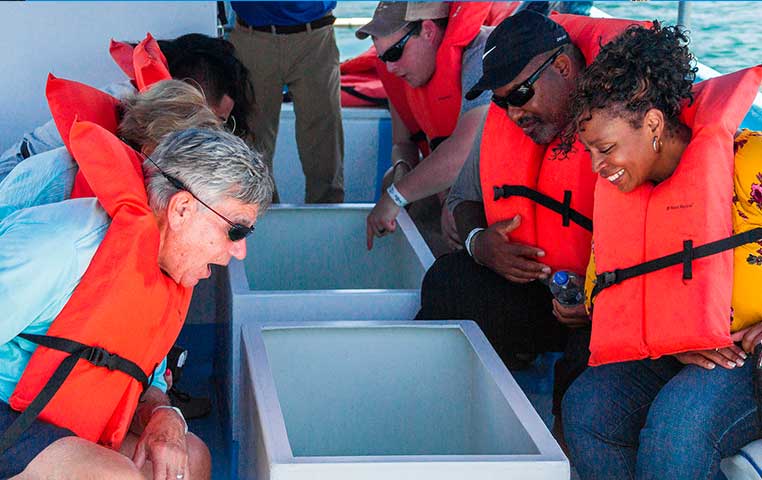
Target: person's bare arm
{"type": "Point", "coordinates": [405, 154]}
{"type": "Point", "coordinates": [439, 170]}
{"type": "Point", "coordinates": [162, 436]}
{"type": "Point", "coordinates": [403, 148]}
{"type": "Point", "coordinates": [469, 215]}
{"type": "Point", "coordinates": [516, 262]}
{"type": "Point", "coordinates": [432, 175]}
{"type": "Point", "coordinates": [493, 247]}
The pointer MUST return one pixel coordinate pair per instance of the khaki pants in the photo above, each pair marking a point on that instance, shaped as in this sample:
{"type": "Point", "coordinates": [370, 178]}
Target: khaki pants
{"type": "Point", "coordinates": [308, 62]}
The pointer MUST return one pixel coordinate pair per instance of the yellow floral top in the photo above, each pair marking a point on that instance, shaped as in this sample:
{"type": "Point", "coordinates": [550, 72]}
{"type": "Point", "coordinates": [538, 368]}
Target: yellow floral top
{"type": "Point", "coordinates": [746, 307]}
{"type": "Point", "coordinates": [747, 214]}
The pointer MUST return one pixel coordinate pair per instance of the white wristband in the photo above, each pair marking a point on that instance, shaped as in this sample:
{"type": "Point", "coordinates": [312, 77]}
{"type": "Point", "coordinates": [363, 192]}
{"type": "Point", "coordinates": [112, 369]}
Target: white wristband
{"type": "Point", "coordinates": [176, 410]}
{"type": "Point", "coordinates": [396, 196]}
{"type": "Point", "coordinates": [470, 238]}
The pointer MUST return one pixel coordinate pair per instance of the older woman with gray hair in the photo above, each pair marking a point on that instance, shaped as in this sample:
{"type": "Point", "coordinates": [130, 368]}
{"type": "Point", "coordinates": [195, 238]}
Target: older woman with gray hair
{"type": "Point", "coordinates": [205, 190]}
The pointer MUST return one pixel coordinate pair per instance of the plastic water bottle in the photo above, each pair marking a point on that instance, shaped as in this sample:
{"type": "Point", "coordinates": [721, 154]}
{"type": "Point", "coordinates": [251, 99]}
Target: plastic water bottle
{"type": "Point", "coordinates": [567, 287]}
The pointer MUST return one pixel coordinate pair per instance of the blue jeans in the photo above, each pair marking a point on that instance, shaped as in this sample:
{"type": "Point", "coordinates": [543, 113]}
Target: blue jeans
{"type": "Point", "coordinates": [658, 419]}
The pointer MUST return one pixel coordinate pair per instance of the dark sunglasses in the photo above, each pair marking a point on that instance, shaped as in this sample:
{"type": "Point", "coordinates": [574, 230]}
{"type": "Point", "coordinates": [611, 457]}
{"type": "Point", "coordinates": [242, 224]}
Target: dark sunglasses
{"type": "Point", "coordinates": [525, 91]}
{"type": "Point", "coordinates": [237, 231]}
{"type": "Point", "coordinates": [394, 53]}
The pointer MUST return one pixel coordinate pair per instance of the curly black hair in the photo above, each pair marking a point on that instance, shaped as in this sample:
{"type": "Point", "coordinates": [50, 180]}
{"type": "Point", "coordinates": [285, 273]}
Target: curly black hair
{"type": "Point", "coordinates": [643, 68]}
{"type": "Point", "coordinates": [212, 63]}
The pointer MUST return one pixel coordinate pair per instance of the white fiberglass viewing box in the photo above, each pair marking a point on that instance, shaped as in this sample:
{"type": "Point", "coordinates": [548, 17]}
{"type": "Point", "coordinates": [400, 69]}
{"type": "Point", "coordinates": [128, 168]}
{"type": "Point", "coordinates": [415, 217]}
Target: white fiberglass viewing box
{"type": "Point", "coordinates": [307, 263]}
{"type": "Point", "coordinates": [386, 400]}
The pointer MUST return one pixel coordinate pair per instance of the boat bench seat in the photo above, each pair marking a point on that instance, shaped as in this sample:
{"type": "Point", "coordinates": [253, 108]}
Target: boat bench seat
{"type": "Point", "coordinates": [746, 465]}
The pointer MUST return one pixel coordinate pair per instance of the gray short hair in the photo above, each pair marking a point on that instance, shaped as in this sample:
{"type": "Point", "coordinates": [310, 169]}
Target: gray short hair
{"type": "Point", "coordinates": [212, 164]}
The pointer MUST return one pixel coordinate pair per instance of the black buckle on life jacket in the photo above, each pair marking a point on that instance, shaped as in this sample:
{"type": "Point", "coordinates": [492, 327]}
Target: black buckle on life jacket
{"type": "Point", "coordinates": [606, 279]}
{"type": "Point", "coordinates": [96, 355]}
{"type": "Point", "coordinates": [566, 211]}
{"type": "Point", "coordinates": [687, 259]}
{"type": "Point", "coordinates": [101, 357]}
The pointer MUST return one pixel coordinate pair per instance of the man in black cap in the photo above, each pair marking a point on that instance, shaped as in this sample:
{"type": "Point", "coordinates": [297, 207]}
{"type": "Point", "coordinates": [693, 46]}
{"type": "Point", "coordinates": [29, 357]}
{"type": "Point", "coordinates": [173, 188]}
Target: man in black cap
{"type": "Point", "coordinates": [531, 66]}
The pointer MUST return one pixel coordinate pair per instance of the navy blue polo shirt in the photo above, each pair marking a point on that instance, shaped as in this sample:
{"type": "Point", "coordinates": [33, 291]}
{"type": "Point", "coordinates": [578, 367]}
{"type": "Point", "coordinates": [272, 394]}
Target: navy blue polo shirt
{"type": "Point", "coordinates": [259, 14]}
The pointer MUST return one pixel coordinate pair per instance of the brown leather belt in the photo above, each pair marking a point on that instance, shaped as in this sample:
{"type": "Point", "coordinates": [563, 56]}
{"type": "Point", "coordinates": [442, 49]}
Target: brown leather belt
{"type": "Point", "coordinates": [289, 29]}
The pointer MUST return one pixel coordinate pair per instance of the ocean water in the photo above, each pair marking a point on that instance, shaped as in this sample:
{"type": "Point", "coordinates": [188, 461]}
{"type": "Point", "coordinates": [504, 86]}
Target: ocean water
{"type": "Point", "coordinates": [725, 35]}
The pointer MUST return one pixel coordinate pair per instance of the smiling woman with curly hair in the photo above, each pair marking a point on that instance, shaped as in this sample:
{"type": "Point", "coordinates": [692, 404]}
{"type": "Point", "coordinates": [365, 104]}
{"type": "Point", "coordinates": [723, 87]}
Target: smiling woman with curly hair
{"type": "Point", "coordinates": [670, 394]}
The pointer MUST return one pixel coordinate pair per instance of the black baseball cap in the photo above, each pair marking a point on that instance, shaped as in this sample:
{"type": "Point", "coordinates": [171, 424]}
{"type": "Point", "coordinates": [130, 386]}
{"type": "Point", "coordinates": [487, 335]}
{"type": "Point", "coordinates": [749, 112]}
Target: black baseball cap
{"type": "Point", "coordinates": [512, 44]}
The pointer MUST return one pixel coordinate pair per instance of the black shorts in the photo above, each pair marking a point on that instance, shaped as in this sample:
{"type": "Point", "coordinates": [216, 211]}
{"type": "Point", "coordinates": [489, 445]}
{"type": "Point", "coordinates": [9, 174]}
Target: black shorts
{"type": "Point", "coordinates": [14, 460]}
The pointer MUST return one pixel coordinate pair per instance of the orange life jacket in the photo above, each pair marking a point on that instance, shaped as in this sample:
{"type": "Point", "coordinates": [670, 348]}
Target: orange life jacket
{"type": "Point", "coordinates": [561, 224]}
{"type": "Point", "coordinates": [360, 82]}
{"type": "Point", "coordinates": [683, 307]}
{"type": "Point", "coordinates": [144, 65]}
{"type": "Point", "coordinates": [499, 11]}
{"type": "Point", "coordinates": [512, 164]}
{"type": "Point", "coordinates": [69, 100]}
{"type": "Point", "coordinates": [124, 304]}
{"type": "Point", "coordinates": [434, 108]}
{"type": "Point", "coordinates": [360, 85]}
{"type": "Point", "coordinates": [149, 63]}
{"type": "Point", "coordinates": [121, 53]}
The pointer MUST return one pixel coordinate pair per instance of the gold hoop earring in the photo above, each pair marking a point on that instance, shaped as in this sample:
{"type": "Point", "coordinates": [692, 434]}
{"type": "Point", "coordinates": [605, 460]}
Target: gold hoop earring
{"type": "Point", "coordinates": [656, 144]}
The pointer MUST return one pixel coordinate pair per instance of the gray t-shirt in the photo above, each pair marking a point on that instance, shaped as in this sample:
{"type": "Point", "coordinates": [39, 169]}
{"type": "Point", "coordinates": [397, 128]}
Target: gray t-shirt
{"type": "Point", "coordinates": [472, 70]}
{"type": "Point", "coordinates": [467, 186]}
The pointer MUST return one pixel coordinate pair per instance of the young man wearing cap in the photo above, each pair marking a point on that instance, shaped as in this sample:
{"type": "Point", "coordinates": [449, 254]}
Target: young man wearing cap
{"type": "Point", "coordinates": [516, 237]}
{"type": "Point", "coordinates": [434, 50]}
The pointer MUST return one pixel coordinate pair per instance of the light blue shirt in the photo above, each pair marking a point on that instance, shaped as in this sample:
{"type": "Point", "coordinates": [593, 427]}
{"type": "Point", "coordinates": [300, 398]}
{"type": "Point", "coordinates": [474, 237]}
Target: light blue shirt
{"type": "Point", "coordinates": [44, 251]}
{"type": "Point", "coordinates": [46, 136]}
{"type": "Point", "coordinates": [40, 179]}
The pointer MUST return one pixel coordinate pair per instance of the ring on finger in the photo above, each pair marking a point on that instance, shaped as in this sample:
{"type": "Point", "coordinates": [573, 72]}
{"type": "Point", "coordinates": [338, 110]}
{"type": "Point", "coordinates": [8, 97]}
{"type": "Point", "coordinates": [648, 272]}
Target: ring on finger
{"type": "Point", "coordinates": [180, 476]}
